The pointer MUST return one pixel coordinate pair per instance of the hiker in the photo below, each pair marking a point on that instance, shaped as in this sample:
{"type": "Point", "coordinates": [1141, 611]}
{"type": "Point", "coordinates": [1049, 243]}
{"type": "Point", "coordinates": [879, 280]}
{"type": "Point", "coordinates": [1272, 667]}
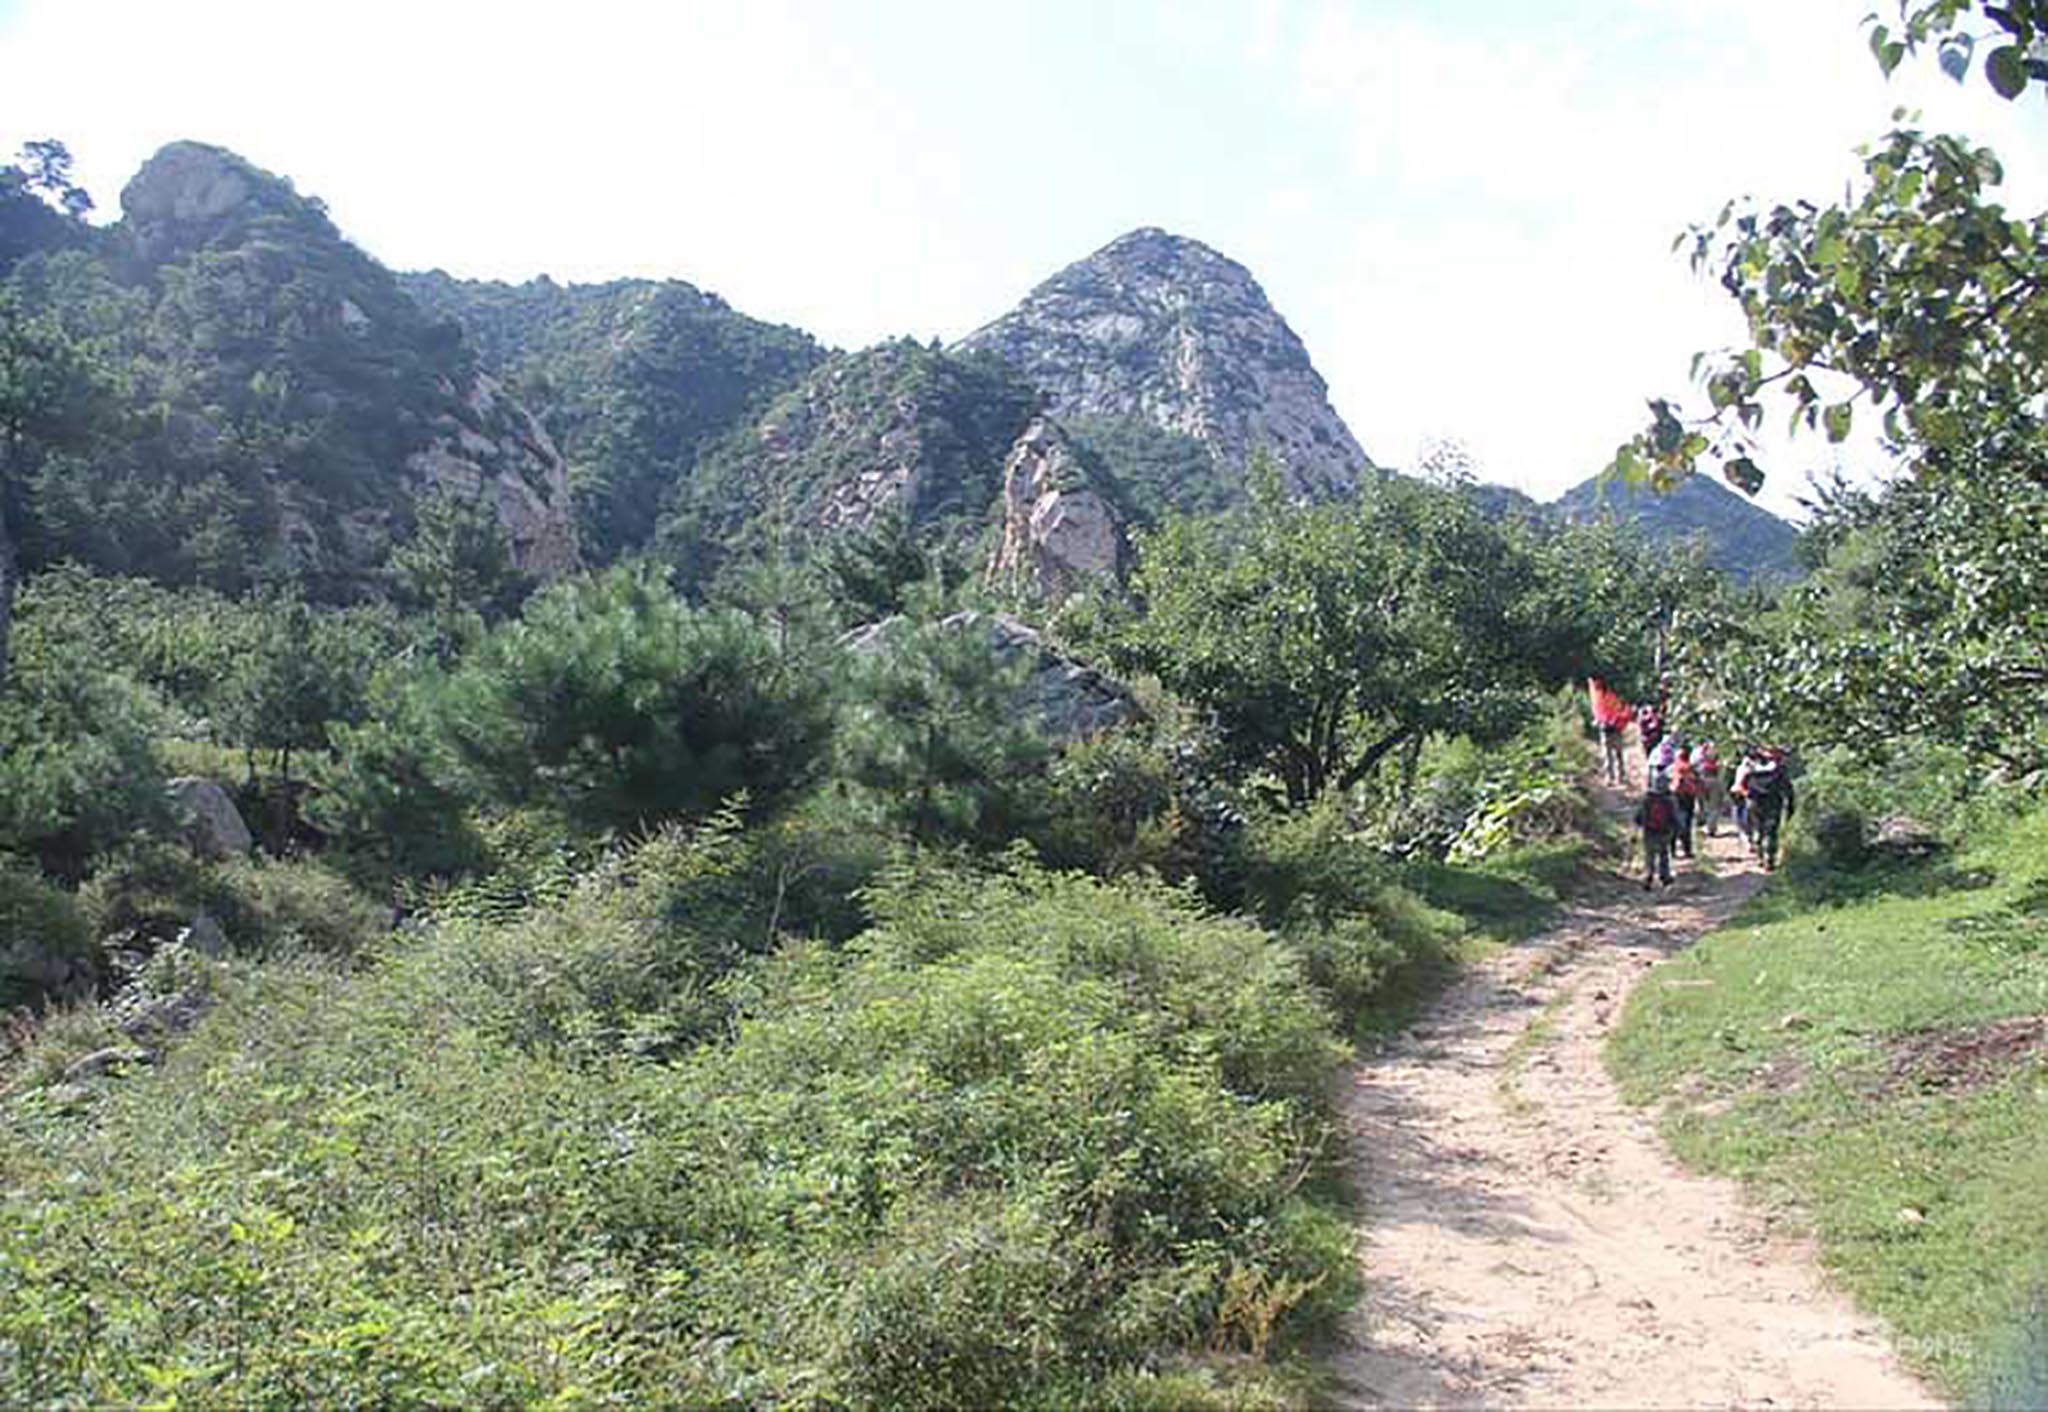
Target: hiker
{"type": "Point", "coordinates": [1658, 817]}
{"type": "Point", "coordinates": [1610, 718]}
{"type": "Point", "coordinates": [1685, 793]}
{"type": "Point", "coordinates": [1738, 793]}
{"type": "Point", "coordinates": [1650, 728]}
{"type": "Point", "coordinates": [1769, 788]}
{"type": "Point", "coordinates": [1713, 787]}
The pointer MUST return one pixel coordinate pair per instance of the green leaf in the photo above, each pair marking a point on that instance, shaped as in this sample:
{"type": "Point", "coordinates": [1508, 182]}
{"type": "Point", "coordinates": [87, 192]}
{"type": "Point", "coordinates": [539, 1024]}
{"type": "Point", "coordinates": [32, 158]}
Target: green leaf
{"type": "Point", "coordinates": [2006, 67]}
{"type": "Point", "coordinates": [1744, 474]}
{"type": "Point", "coordinates": [1848, 280]}
{"type": "Point", "coordinates": [1955, 56]}
{"type": "Point", "coordinates": [1838, 418]}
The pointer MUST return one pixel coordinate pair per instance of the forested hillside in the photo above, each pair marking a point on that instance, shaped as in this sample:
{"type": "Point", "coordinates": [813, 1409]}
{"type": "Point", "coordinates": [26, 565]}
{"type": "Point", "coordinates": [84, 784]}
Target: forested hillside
{"type": "Point", "coordinates": [632, 378]}
{"type": "Point", "coordinates": [234, 395]}
{"type": "Point", "coordinates": [1737, 536]}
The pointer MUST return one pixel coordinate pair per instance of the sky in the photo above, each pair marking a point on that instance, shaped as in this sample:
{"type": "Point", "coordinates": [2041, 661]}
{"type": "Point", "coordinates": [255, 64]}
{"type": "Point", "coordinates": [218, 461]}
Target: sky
{"type": "Point", "coordinates": [1466, 211]}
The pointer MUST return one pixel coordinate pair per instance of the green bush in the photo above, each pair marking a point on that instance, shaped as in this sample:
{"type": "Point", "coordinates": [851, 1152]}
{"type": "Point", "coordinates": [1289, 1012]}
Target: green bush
{"type": "Point", "coordinates": [77, 772]}
{"type": "Point", "coordinates": [147, 893]}
{"type": "Point", "coordinates": [619, 707]}
{"type": "Point", "coordinates": [1018, 1142]}
{"type": "Point", "coordinates": [46, 945]}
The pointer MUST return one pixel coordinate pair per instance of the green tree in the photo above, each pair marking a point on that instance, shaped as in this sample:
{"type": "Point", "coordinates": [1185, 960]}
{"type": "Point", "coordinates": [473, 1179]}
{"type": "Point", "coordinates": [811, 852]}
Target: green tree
{"type": "Point", "coordinates": [52, 399]}
{"type": "Point", "coordinates": [934, 732]}
{"type": "Point", "coordinates": [78, 771]}
{"type": "Point", "coordinates": [615, 704]}
{"type": "Point", "coordinates": [456, 568]}
{"type": "Point", "coordinates": [2011, 36]}
{"type": "Point", "coordinates": [306, 671]}
{"type": "Point", "coordinates": [1918, 300]}
{"type": "Point", "coordinates": [1324, 637]}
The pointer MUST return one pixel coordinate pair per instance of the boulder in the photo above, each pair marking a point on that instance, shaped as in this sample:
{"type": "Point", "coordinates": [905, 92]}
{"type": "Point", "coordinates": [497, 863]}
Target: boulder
{"type": "Point", "coordinates": [213, 826]}
{"type": "Point", "coordinates": [1059, 533]}
{"type": "Point", "coordinates": [1071, 699]}
{"type": "Point", "coordinates": [204, 936]}
{"type": "Point", "coordinates": [101, 1060]}
{"type": "Point", "coordinates": [1898, 836]}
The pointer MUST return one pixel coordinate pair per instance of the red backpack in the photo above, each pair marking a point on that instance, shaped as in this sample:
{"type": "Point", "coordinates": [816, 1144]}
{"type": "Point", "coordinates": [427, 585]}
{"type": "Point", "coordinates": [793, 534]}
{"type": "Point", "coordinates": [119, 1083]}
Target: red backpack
{"type": "Point", "coordinates": [1659, 816]}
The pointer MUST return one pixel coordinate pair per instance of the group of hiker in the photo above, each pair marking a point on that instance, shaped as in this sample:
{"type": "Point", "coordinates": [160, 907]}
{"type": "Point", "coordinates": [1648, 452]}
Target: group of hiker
{"type": "Point", "coordinates": [1690, 788]}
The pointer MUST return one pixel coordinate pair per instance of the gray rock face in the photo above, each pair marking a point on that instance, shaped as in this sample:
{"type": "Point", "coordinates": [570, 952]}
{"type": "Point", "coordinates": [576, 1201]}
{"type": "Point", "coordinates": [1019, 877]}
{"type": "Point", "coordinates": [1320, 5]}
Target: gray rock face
{"type": "Point", "coordinates": [500, 449]}
{"type": "Point", "coordinates": [1071, 699]}
{"type": "Point", "coordinates": [1059, 533]}
{"type": "Point", "coordinates": [1162, 328]}
{"type": "Point", "coordinates": [188, 181]}
{"type": "Point", "coordinates": [213, 826]}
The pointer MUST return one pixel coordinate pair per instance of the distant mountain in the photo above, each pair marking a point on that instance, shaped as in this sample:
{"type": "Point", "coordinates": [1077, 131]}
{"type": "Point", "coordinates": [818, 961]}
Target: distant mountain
{"type": "Point", "coordinates": [1739, 536]}
{"type": "Point", "coordinates": [634, 378]}
{"type": "Point", "coordinates": [1161, 330]}
{"type": "Point", "coordinates": [285, 405]}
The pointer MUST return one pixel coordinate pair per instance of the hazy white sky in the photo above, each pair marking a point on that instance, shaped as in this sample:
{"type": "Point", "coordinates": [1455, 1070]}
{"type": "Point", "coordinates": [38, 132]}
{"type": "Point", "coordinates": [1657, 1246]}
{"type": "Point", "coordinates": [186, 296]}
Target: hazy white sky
{"type": "Point", "coordinates": [1465, 210]}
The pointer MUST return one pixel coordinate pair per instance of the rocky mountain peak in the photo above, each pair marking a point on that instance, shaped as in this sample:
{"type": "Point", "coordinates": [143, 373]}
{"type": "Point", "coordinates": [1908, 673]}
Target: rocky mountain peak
{"type": "Point", "coordinates": [195, 182]}
{"type": "Point", "coordinates": [1162, 328]}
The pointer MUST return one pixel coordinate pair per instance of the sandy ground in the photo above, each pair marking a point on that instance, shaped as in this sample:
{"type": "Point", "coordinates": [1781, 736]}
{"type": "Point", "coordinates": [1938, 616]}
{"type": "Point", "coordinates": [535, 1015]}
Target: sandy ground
{"type": "Point", "coordinates": [1528, 1241]}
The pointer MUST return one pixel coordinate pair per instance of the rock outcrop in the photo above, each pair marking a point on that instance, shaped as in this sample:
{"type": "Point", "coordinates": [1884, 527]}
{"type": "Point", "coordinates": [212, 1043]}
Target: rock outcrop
{"type": "Point", "coordinates": [325, 338]}
{"type": "Point", "coordinates": [1071, 699]}
{"type": "Point", "coordinates": [213, 825]}
{"type": "Point", "coordinates": [1163, 329]}
{"type": "Point", "coordinates": [1059, 532]}
{"type": "Point", "coordinates": [898, 433]}
{"type": "Point", "coordinates": [501, 451]}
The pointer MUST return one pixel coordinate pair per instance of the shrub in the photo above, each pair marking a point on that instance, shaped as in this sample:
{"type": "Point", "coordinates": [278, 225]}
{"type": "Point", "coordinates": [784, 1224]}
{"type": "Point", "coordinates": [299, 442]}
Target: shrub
{"type": "Point", "coordinates": [617, 706]}
{"type": "Point", "coordinates": [46, 945]}
{"type": "Point", "coordinates": [77, 772]}
{"type": "Point", "coordinates": [1016, 1143]}
{"type": "Point", "coordinates": [146, 894]}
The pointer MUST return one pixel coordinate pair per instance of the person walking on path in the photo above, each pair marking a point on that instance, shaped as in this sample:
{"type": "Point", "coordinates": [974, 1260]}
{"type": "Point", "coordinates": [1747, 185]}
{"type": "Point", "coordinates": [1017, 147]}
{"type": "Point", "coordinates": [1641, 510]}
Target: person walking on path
{"type": "Point", "coordinates": [1610, 718]}
{"type": "Point", "coordinates": [1685, 793]}
{"type": "Point", "coordinates": [1650, 727]}
{"type": "Point", "coordinates": [1738, 794]}
{"type": "Point", "coordinates": [1657, 815]}
{"type": "Point", "coordinates": [1770, 804]}
{"type": "Point", "coordinates": [1713, 787]}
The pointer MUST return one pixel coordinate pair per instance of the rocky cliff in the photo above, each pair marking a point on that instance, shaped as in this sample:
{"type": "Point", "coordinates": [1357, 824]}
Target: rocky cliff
{"type": "Point", "coordinates": [296, 405]}
{"type": "Point", "coordinates": [1162, 329]}
{"type": "Point", "coordinates": [265, 293]}
{"type": "Point", "coordinates": [1060, 529]}
{"type": "Point", "coordinates": [634, 378]}
{"type": "Point", "coordinates": [898, 432]}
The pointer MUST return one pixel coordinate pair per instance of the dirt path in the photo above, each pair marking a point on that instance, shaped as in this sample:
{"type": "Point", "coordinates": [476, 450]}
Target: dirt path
{"type": "Point", "coordinates": [1530, 1244]}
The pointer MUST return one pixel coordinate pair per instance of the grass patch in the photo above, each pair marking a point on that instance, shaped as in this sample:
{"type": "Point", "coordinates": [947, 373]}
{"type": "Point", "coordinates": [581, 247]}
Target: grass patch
{"type": "Point", "coordinates": [1506, 898]}
{"type": "Point", "coordinates": [1859, 1047]}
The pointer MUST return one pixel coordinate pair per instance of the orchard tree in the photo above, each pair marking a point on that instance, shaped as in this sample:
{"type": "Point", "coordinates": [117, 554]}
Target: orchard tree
{"type": "Point", "coordinates": [1322, 638]}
